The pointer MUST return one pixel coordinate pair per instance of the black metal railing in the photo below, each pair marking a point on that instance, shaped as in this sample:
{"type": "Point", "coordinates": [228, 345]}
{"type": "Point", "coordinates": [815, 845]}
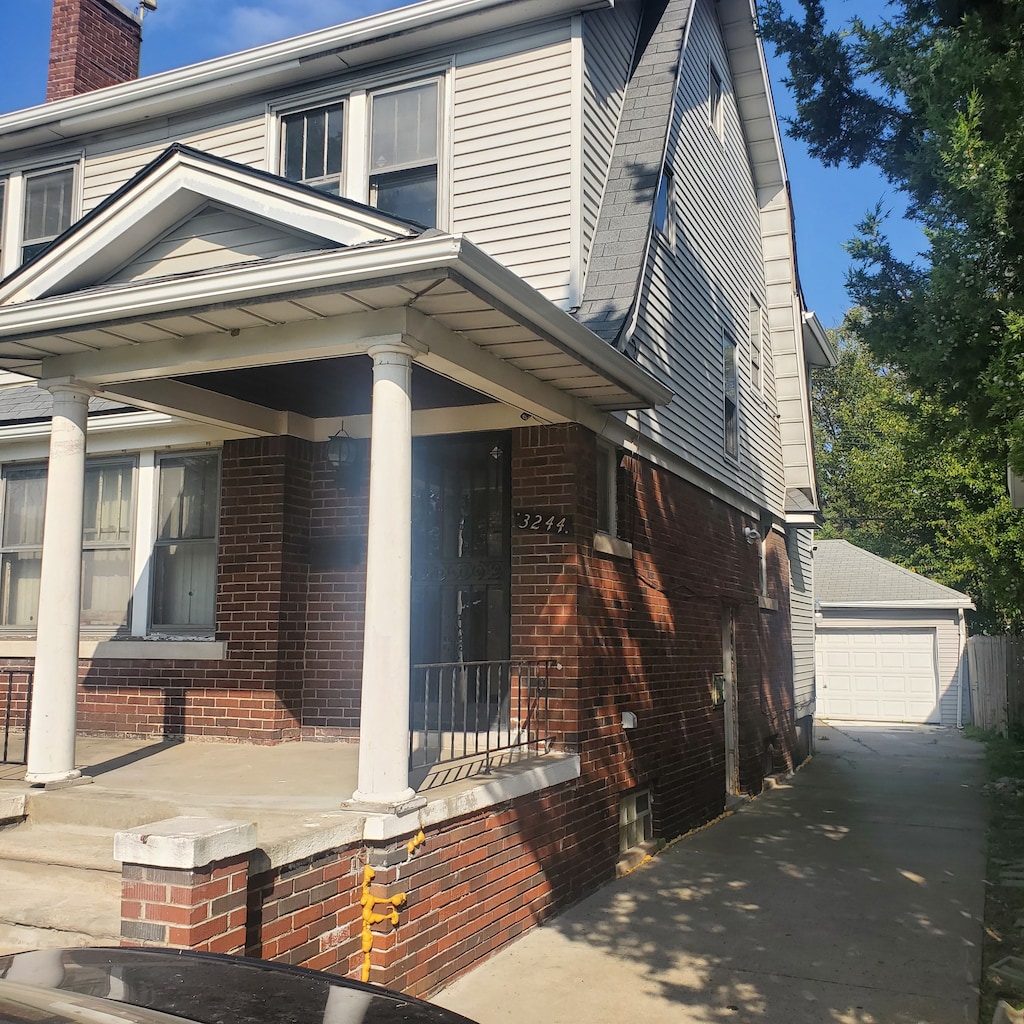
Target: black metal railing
{"type": "Point", "coordinates": [478, 712]}
{"type": "Point", "coordinates": [17, 714]}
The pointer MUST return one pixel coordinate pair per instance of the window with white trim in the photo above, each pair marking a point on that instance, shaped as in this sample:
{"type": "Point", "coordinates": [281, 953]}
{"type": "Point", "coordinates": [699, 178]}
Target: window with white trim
{"type": "Point", "coordinates": [180, 542]}
{"type": "Point", "coordinates": [108, 514]}
{"type": "Point", "coordinates": [36, 205]}
{"type": "Point", "coordinates": [402, 128]}
{"type": "Point", "coordinates": [664, 207]}
{"type": "Point", "coordinates": [756, 344]}
{"type": "Point", "coordinates": [731, 395]}
{"type": "Point", "coordinates": [185, 551]}
{"type": "Point", "coordinates": [715, 93]}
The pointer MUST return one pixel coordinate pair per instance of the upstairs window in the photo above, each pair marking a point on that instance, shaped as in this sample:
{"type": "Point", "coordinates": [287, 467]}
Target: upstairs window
{"type": "Point", "coordinates": [403, 152]}
{"type": "Point", "coordinates": [715, 101]}
{"type": "Point", "coordinates": [756, 344]}
{"type": "Point", "coordinates": [664, 207]}
{"type": "Point", "coordinates": [311, 142]}
{"type": "Point", "coordinates": [48, 206]}
{"type": "Point", "coordinates": [731, 408]}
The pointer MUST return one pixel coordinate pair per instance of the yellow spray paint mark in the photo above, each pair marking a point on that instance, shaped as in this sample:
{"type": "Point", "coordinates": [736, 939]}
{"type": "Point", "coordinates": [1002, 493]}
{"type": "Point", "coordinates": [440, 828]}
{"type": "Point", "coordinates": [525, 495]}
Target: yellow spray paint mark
{"type": "Point", "coordinates": [417, 840]}
{"type": "Point", "coordinates": [372, 917]}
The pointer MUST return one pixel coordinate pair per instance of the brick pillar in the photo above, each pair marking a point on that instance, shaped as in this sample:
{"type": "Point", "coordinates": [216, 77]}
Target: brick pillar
{"type": "Point", "coordinates": [93, 44]}
{"type": "Point", "coordinates": [184, 883]}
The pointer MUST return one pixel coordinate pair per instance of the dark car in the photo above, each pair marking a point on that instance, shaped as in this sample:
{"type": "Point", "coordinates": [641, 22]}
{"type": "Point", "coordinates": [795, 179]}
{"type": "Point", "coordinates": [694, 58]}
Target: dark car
{"type": "Point", "coordinates": [167, 986]}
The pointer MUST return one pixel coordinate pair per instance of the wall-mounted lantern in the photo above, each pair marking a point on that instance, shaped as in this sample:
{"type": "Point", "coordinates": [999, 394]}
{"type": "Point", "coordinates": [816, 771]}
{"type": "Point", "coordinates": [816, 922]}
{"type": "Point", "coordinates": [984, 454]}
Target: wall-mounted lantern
{"type": "Point", "coordinates": [344, 454]}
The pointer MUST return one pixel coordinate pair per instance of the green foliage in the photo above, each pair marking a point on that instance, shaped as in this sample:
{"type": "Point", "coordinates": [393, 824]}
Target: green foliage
{"type": "Point", "coordinates": [932, 97]}
{"type": "Point", "coordinates": [912, 480]}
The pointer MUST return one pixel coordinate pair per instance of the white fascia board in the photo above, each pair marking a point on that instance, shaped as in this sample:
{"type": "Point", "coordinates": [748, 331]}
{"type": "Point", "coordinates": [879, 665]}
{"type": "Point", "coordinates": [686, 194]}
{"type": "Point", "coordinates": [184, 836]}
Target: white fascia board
{"type": "Point", "coordinates": [276, 65]}
{"type": "Point", "coordinates": [565, 330]}
{"type": "Point", "coordinates": [176, 190]}
{"type": "Point", "coordinates": [943, 604]}
{"type": "Point", "coordinates": [327, 271]}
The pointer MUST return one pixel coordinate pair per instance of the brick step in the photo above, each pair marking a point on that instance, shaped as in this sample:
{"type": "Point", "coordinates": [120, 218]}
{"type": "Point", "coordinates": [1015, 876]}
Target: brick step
{"type": "Point", "coordinates": [74, 901]}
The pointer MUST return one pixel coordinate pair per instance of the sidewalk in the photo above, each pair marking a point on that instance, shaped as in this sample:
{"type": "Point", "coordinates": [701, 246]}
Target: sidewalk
{"type": "Point", "coordinates": [853, 894]}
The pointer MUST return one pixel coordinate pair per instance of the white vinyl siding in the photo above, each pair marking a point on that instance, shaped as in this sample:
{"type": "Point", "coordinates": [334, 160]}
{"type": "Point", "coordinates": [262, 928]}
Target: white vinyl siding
{"type": "Point", "coordinates": [705, 285]}
{"type": "Point", "coordinates": [238, 134]}
{"type": "Point", "coordinates": [608, 41]}
{"type": "Point", "coordinates": [512, 155]}
{"type": "Point", "coordinates": [840, 629]}
{"type": "Point", "coordinates": [801, 605]}
{"type": "Point", "coordinates": [216, 237]}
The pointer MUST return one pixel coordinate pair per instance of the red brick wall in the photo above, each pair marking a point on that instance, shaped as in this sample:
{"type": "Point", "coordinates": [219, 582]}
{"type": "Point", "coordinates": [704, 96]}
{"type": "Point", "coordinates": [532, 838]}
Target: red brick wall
{"type": "Point", "coordinates": [93, 44]}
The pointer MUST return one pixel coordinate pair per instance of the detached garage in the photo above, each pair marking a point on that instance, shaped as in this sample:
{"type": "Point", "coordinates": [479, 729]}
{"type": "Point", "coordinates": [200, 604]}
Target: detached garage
{"type": "Point", "coordinates": [889, 644]}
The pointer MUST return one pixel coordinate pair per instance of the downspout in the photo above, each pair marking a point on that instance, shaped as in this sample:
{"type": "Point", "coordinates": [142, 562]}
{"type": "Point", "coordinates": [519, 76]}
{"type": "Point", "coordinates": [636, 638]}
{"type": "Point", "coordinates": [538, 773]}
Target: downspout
{"type": "Point", "coordinates": [960, 671]}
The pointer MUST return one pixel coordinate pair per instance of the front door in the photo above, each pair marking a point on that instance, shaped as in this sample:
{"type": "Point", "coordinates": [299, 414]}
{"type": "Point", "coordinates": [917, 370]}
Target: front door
{"type": "Point", "coordinates": [461, 549]}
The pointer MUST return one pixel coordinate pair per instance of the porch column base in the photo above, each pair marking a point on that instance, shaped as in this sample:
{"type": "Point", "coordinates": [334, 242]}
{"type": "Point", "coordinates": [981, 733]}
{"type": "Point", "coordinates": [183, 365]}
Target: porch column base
{"type": "Point", "coordinates": [64, 780]}
{"type": "Point", "coordinates": [403, 806]}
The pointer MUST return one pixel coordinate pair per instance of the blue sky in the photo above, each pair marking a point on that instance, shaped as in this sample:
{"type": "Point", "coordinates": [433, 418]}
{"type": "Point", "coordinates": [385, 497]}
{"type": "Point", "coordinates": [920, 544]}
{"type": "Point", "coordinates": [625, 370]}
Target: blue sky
{"type": "Point", "coordinates": [828, 203]}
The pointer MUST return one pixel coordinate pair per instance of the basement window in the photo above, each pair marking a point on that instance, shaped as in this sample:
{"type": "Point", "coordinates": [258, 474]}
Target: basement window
{"type": "Point", "coordinates": [636, 820]}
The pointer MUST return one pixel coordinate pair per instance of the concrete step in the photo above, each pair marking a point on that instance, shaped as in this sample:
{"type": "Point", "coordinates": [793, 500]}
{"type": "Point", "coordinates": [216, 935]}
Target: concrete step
{"type": "Point", "coordinates": [96, 808]}
{"type": "Point", "coordinates": [54, 897]}
{"type": "Point", "coordinates": [14, 938]}
{"type": "Point", "coordinates": [66, 845]}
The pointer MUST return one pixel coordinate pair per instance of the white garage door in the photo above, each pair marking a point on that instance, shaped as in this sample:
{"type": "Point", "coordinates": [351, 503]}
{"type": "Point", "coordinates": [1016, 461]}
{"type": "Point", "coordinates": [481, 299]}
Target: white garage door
{"type": "Point", "coordinates": [882, 675]}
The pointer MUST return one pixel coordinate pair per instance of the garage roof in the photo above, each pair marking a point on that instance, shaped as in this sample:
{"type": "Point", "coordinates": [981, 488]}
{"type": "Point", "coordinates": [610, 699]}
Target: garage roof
{"type": "Point", "coordinates": [846, 576]}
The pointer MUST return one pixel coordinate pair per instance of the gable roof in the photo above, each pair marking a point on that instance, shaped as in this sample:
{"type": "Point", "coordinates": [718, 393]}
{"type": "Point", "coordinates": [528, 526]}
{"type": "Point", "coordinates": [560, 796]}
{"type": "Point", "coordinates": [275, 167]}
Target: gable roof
{"type": "Point", "coordinates": [176, 186]}
{"type": "Point", "coordinates": [846, 576]}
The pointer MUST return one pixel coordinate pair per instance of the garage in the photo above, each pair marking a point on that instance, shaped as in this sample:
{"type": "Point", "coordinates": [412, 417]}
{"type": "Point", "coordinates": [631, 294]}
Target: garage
{"type": "Point", "coordinates": [878, 675]}
{"type": "Point", "coordinates": [889, 643]}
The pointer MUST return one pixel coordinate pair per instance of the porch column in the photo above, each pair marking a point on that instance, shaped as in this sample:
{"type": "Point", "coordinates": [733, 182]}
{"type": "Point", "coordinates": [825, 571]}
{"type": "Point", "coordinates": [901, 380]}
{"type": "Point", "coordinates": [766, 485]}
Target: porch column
{"type": "Point", "coordinates": [384, 714]}
{"type": "Point", "coordinates": [51, 748]}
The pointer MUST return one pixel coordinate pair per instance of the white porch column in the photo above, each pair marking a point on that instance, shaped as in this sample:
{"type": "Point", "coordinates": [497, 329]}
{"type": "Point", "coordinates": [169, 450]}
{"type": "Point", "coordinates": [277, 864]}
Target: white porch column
{"type": "Point", "coordinates": [51, 748]}
{"type": "Point", "coordinates": [384, 715]}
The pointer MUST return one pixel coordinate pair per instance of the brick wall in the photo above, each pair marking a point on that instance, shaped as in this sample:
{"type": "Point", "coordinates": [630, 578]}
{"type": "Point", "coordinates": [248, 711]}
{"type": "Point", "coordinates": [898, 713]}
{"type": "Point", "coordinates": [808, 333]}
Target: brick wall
{"type": "Point", "coordinates": [93, 44]}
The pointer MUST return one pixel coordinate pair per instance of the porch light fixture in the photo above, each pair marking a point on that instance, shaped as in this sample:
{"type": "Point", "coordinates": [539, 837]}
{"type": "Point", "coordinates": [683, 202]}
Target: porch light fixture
{"type": "Point", "coordinates": [343, 453]}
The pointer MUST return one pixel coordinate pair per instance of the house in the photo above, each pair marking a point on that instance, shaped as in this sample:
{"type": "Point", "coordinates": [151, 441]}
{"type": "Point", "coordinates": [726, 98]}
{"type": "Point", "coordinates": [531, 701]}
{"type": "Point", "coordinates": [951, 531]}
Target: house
{"type": "Point", "coordinates": [891, 644]}
{"type": "Point", "coordinates": [449, 368]}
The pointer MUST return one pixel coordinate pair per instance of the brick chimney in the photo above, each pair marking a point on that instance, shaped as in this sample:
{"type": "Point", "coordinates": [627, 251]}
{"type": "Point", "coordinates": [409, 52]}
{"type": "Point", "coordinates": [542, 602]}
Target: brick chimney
{"type": "Point", "coordinates": [93, 43]}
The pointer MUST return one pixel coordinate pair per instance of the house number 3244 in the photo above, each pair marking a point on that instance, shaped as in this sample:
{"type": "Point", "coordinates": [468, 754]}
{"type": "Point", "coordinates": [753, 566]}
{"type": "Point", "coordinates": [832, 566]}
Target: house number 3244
{"type": "Point", "coordinates": [542, 522]}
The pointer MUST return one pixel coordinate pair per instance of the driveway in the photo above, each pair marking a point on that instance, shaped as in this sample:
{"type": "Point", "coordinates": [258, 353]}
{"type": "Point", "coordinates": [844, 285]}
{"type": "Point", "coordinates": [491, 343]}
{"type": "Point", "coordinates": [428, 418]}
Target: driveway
{"type": "Point", "coordinates": [853, 893]}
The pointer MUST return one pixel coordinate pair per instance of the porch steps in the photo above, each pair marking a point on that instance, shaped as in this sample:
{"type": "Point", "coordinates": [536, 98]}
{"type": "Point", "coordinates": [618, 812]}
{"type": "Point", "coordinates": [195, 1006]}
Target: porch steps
{"type": "Point", "coordinates": [47, 904]}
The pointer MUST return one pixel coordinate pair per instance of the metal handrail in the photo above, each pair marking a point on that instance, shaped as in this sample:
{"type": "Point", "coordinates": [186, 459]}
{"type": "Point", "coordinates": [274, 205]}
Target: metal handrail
{"type": "Point", "coordinates": [478, 710]}
{"type": "Point", "coordinates": [11, 676]}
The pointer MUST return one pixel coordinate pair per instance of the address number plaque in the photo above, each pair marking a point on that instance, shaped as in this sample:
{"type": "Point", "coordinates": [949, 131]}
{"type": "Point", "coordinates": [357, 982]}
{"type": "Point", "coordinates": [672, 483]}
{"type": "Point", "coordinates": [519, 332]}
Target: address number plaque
{"type": "Point", "coordinates": [542, 522]}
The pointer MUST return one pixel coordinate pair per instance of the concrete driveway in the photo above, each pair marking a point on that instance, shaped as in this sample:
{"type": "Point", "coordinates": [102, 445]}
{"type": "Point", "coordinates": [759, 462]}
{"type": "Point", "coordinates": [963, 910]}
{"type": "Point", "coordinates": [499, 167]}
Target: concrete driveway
{"type": "Point", "coordinates": [852, 894]}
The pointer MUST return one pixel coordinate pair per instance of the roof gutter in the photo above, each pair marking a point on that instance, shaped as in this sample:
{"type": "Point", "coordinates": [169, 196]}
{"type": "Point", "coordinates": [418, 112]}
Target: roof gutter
{"type": "Point", "coordinates": [270, 66]}
{"type": "Point", "coordinates": [945, 603]}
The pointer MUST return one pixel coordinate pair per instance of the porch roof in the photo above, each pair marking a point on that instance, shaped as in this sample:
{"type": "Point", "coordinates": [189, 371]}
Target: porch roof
{"type": "Point", "coordinates": [347, 278]}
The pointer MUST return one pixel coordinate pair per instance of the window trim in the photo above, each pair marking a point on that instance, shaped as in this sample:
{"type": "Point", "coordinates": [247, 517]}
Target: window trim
{"type": "Point", "coordinates": [716, 100]}
{"type": "Point", "coordinates": [12, 215]}
{"type": "Point", "coordinates": [756, 337]}
{"type": "Point", "coordinates": [731, 406]}
{"type": "Point", "coordinates": [357, 96]}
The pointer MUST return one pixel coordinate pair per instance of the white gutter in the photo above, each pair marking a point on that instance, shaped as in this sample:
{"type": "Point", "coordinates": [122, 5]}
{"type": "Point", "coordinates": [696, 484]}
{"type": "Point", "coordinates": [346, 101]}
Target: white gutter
{"type": "Point", "coordinates": [960, 672]}
{"type": "Point", "coordinates": [945, 603]}
{"type": "Point", "coordinates": [214, 81]}
{"type": "Point", "coordinates": [330, 271]}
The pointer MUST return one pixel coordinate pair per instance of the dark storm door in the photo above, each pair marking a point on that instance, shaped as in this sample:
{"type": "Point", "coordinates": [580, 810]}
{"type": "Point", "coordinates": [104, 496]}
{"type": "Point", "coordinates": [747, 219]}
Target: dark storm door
{"type": "Point", "coordinates": [461, 549]}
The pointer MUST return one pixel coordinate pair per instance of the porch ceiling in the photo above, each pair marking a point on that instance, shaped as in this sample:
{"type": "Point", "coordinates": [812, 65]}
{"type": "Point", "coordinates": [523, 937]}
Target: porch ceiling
{"type": "Point", "coordinates": [474, 321]}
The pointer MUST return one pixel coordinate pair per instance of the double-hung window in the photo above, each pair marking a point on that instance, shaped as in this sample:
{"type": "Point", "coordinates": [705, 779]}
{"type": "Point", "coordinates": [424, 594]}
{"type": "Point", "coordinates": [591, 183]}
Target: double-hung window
{"type": "Point", "coordinates": [185, 552]}
{"type": "Point", "coordinates": [398, 130]}
{"type": "Point", "coordinates": [36, 205]}
{"type": "Point", "coordinates": [756, 344]}
{"type": "Point", "coordinates": [108, 514]}
{"type": "Point", "coordinates": [403, 152]}
{"type": "Point", "coordinates": [179, 544]}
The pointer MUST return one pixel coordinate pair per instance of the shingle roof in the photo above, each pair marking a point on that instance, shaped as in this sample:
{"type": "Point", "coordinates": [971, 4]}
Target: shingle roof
{"type": "Point", "coordinates": [847, 575]}
{"type": "Point", "coordinates": [619, 249]}
{"type": "Point", "coordinates": [31, 404]}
